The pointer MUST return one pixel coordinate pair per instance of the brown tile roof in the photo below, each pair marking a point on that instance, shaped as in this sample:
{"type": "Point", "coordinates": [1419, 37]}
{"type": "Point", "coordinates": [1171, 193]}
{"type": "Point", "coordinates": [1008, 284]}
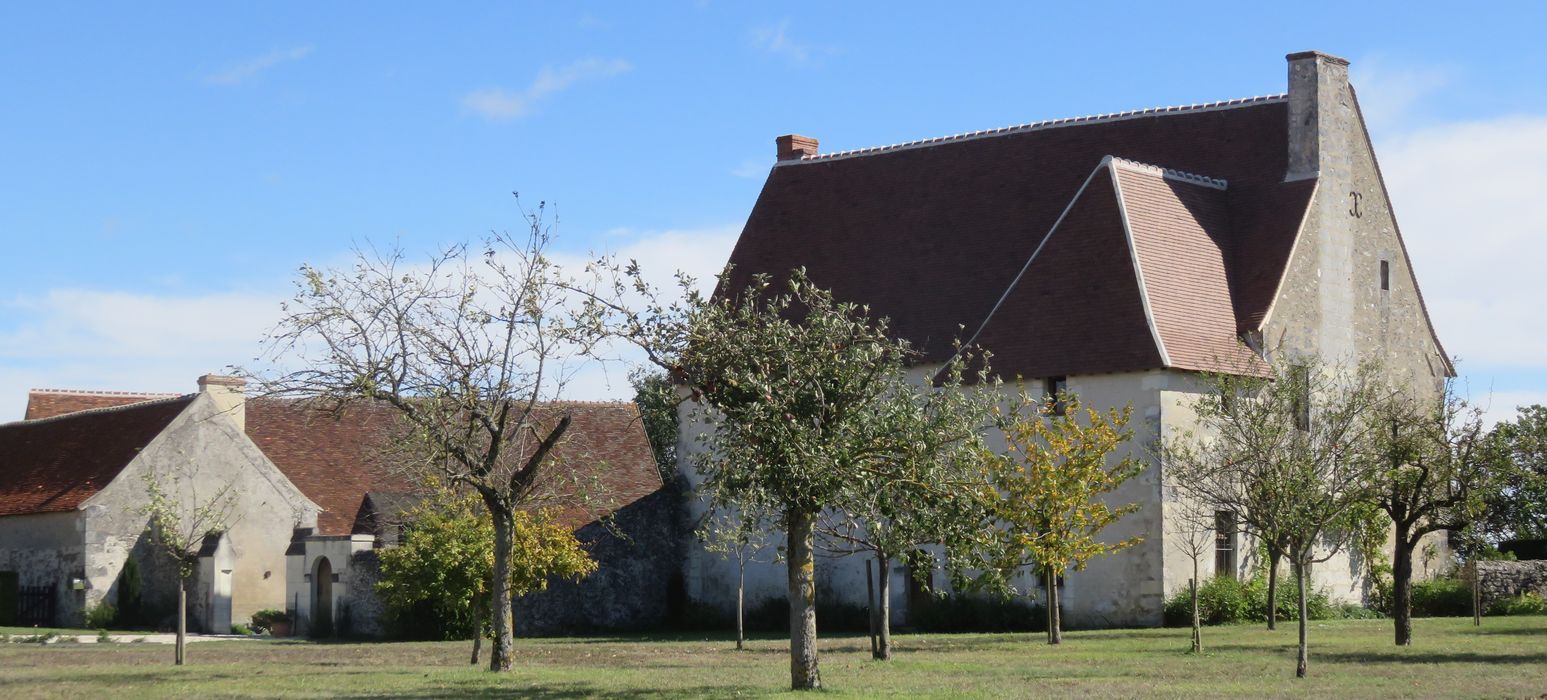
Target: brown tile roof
{"type": "Point", "coordinates": [43, 403]}
{"type": "Point", "coordinates": [931, 234]}
{"type": "Point", "coordinates": [54, 464]}
{"type": "Point", "coordinates": [333, 459]}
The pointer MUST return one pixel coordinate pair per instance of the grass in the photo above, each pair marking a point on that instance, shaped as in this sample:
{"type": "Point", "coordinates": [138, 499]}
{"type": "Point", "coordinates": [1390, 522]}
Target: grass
{"type": "Point", "coordinates": [1507, 657]}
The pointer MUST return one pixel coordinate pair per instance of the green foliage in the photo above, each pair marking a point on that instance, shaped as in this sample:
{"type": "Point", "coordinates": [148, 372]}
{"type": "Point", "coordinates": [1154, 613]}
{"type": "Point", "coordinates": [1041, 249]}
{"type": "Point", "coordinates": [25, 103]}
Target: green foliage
{"type": "Point", "coordinates": [101, 616]}
{"type": "Point", "coordinates": [1442, 597]}
{"type": "Point", "coordinates": [131, 612]}
{"type": "Point", "coordinates": [657, 401]}
{"type": "Point", "coordinates": [445, 563]}
{"type": "Point", "coordinates": [1052, 479]}
{"type": "Point", "coordinates": [239, 628]}
{"type": "Point", "coordinates": [1223, 600]}
{"type": "Point", "coordinates": [1526, 603]}
{"type": "Point", "coordinates": [1518, 508]}
{"type": "Point", "coordinates": [263, 620]}
{"type": "Point", "coordinates": [103, 637]}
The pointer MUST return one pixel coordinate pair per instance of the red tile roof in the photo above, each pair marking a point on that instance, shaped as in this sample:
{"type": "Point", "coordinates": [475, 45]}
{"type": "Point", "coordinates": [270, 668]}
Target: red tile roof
{"type": "Point", "coordinates": [932, 234]}
{"type": "Point", "coordinates": [333, 459]}
{"type": "Point", "coordinates": [42, 403]}
{"type": "Point", "coordinates": [54, 464]}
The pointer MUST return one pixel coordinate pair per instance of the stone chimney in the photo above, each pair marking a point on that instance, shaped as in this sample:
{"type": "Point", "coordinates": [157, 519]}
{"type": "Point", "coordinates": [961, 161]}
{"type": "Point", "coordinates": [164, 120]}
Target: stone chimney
{"type": "Point", "coordinates": [793, 146]}
{"type": "Point", "coordinates": [227, 393]}
{"type": "Point", "coordinates": [1321, 115]}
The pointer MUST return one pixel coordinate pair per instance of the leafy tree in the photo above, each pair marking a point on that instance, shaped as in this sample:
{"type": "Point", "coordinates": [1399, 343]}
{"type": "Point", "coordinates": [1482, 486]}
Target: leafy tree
{"type": "Point", "coordinates": [1053, 478]}
{"type": "Point", "coordinates": [1290, 453]}
{"type": "Point", "coordinates": [468, 349]}
{"type": "Point", "coordinates": [1433, 472]}
{"type": "Point", "coordinates": [1517, 504]}
{"type": "Point", "coordinates": [657, 400]}
{"type": "Point", "coordinates": [933, 492]}
{"type": "Point", "coordinates": [446, 559]}
{"type": "Point", "coordinates": [180, 518]}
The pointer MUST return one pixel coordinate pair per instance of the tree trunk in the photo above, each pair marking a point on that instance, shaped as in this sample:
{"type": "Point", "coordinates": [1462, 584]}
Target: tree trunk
{"type": "Point", "coordinates": [502, 642]}
{"type": "Point", "coordinates": [182, 621]}
{"type": "Point", "coordinates": [1055, 632]}
{"type": "Point", "coordinates": [802, 595]}
{"type": "Point", "coordinates": [741, 604]}
{"type": "Point", "coordinates": [1274, 554]}
{"type": "Point", "coordinates": [1302, 657]}
{"type": "Point", "coordinates": [1477, 597]}
{"type": "Point", "coordinates": [884, 617]}
{"type": "Point", "coordinates": [1402, 588]}
{"type": "Point", "coordinates": [870, 604]}
{"type": "Point", "coordinates": [1197, 625]}
{"type": "Point", "coordinates": [477, 629]}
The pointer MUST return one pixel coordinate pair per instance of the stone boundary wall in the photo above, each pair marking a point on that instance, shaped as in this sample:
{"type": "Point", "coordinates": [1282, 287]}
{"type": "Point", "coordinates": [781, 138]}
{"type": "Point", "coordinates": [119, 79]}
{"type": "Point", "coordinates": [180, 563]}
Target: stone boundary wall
{"type": "Point", "coordinates": [1506, 579]}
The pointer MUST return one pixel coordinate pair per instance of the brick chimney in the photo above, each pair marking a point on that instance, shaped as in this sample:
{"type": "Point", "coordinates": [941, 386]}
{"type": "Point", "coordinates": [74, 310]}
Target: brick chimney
{"type": "Point", "coordinates": [227, 393]}
{"type": "Point", "coordinates": [1321, 115]}
{"type": "Point", "coordinates": [793, 146]}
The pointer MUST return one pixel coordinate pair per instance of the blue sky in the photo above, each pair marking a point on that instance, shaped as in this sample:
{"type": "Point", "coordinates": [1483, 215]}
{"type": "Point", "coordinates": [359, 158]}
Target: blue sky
{"type": "Point", "coordinates": [163, 173]}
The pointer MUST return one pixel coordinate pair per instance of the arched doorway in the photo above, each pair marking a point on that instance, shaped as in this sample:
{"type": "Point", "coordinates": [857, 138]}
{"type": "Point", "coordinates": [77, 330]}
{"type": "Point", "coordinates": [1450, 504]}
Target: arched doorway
{"type": "Point", "coordinates": [322, 598]}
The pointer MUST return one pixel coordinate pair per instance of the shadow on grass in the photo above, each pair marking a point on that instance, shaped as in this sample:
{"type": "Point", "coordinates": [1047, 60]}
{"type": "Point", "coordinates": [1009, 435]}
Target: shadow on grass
{"type": "Point", "coordinates": [554, 690]}
{"type": "Point", "coordinates": [1384, 657]}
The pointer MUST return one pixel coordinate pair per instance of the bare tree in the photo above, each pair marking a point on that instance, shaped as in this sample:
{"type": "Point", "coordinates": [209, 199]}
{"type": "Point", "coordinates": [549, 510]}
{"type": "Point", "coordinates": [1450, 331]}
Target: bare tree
{"type": "Point", "coordinates": [741, 534]}
{"type": "Point", "coordinates": [1190, 528]}
{"type": "Point", "coordinates": [182, 513]}
{"type": "Point", "coordinates": [469, 349]}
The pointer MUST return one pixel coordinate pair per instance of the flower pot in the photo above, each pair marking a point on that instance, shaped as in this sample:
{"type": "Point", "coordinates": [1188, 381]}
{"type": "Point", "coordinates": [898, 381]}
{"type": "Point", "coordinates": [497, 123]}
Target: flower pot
{"type": "Point", "coordinates": [280, 628]}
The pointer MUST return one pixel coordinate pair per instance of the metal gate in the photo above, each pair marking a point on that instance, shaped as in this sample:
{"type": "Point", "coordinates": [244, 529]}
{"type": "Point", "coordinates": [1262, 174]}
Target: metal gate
{"type": "Point", "coordinates": [35, 606]}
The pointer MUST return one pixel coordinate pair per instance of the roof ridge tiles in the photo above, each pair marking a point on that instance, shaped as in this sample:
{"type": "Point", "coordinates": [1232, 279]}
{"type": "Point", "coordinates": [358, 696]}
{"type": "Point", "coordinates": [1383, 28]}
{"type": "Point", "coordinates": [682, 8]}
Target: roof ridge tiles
{"type": "Point", "coordinates": [97, 392]}
{"type": "Point", "coordinates": [166, 399]}
{"type": "Point", "coordinates": [1041, 125]}
{"type": "Point", "coordinates": [1172, 173]}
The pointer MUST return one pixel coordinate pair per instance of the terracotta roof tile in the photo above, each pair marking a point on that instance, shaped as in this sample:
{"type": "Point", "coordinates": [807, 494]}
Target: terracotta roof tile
{"type": "Point", "coordinates": [54, 464]}
{"type": "Point", "coordinates": [931, 234]}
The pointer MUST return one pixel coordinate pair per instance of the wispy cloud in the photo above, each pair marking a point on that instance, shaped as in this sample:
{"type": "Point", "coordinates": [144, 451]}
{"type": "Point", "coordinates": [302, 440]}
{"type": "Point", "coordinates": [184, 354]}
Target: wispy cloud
{"type": "Point", "coordinates": [751, 168]}
{"type": "Point", "coordinates": [246, 70]}
{"type": "Point", "coordinates": [775, 39]}
{"type": "Point", "coordinates": [1390, 92]}
{"type": "Point", "coordinates": [499, 104]}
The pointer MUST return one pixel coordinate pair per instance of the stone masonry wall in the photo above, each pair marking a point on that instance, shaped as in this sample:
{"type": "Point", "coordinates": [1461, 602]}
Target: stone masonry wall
{"type": "Point", "coordinates": [1506, 579]}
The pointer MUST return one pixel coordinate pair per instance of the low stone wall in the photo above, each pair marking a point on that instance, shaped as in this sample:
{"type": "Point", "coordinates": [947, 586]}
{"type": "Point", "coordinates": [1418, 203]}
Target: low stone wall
{"type": "Point", "coordinates": [1506, 579]}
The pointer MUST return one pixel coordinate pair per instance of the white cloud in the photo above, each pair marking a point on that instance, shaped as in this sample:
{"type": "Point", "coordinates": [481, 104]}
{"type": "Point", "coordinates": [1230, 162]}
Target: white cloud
{"type": "Point", "coordinates": [1469, 196]}
{"type": "Point", "coordinates": [242, 72]}
{"type": "Point", "coordinates": [776, 39]}
{"type": "Point", "coordinates": [499, 104]}
{"type": "Point", "coordinates": [89, 339]}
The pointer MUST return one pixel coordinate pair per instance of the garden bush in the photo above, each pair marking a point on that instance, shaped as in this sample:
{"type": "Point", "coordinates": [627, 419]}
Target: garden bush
{"type": "Point", "coordinates": [966, 613]}
{"type": "Point", "coordinates": [101, 616]}
{"type": "Point", "coordinates": [239, 628]}
{"type": "Point", "coordinates": [1442, 597]}
{"type": "Point", "coordinates": [1223, 601]}
{"type": "Point", "coordinates": [1527, 603]}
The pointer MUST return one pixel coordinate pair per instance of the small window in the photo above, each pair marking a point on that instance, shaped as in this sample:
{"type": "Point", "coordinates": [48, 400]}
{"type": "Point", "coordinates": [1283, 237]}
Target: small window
{"type": "Point", "coordinates": [1057, 387]}
{"type": "Point", "coordinates": [1385, 275]}
{"type": "Point", "coordinates": [1224, 543]}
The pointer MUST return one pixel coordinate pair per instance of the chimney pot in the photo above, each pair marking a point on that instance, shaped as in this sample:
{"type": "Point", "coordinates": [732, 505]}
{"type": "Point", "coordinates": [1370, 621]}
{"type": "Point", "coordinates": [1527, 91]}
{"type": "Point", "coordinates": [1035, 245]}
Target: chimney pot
{"type": "Point", "coordinates": [795, 146]}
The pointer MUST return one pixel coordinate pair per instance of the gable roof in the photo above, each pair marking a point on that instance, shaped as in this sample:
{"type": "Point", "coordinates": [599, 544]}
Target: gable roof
{"type": "Point", "coordinates": [42, 403]}
{"type": "Point", "coordinates": [936, 235]}
{"type": "Point", "coordinates": [54, 464]}
{"type": "Point", "coordinates": [333, 458]}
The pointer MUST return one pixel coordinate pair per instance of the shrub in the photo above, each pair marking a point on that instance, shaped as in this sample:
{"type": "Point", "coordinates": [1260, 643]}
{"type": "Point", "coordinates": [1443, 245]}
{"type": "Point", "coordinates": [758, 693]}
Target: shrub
{"type": "Point", "coordinates": [773, 615]}
{"type": "Point", "coordinates": [966, 613]}
{"type": "Point", "coordinates": [101, 616]}
{"type": "Point", "coordinates": [1442, 597]}
{"type": "Point", "coordinates": [103, 637]}
{"type": "Point", "coordinates": [1527, 603]}
{"type": "Point", "coordinates": [263, 620]}
{"type": "Point", "coordinates": [1223, 601]}
{"type": "Point", "coordinates": [239, 628]}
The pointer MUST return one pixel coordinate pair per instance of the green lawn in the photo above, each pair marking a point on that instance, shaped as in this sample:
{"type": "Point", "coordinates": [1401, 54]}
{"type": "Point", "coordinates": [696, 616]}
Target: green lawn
{"type": "Point", "coordinates": [1507, 657]}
